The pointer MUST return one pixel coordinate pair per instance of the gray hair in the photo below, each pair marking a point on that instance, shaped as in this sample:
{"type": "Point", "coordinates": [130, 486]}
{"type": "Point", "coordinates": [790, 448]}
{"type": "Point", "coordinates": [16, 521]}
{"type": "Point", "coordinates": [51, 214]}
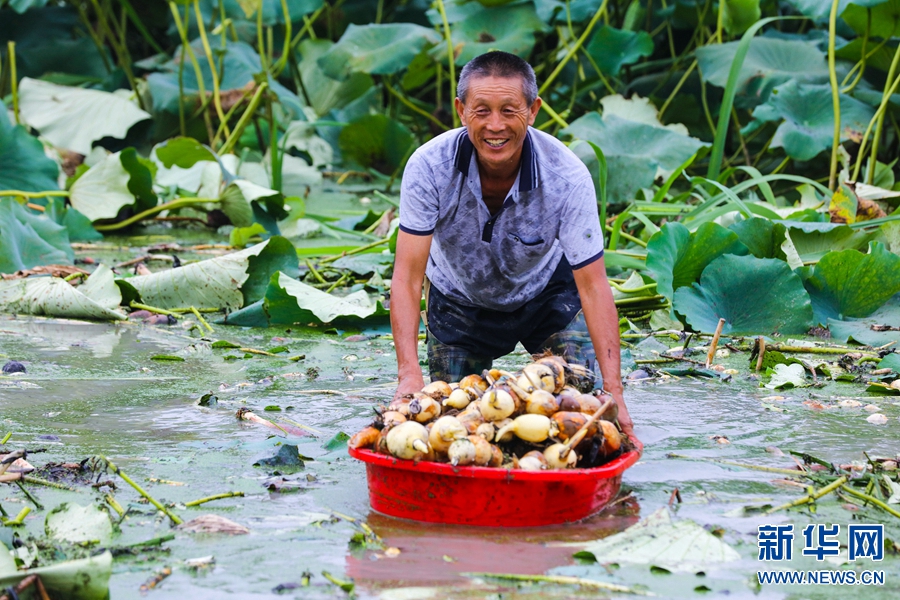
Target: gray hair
{"type": "Point", "coordinates": [498, 64]}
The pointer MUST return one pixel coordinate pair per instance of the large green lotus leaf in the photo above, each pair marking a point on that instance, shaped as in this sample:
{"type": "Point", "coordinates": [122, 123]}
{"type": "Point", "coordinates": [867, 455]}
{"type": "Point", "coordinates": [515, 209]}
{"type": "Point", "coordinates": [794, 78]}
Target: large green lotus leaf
{"type": "Point", "coordinates": [28, 240]}
{"type": "Point", "coordinates": [613, 48]}
{"type": "Point", "coordinates": [76, 524]}
{"type": "Point", "coordinates": [754, 296]}
{"type": "Point", "coordinates": [891, 361]}
{"type": "Point", "coordinates": [289, 301]}
{"type": "Point", "coordinates": [636, 153]}
{"type": "Point", "coordinates": [23, 164]}
{"type": "Point", "coordinates": [878, 329]}
{"type": "Point", "coordinates": [54, 297]}
{"type": "Point", "coordinates": [819, 10]}
{"type": "Point", "coordinates": [227, 282]}
{"type": "Point", "coordinates": [183, 152]}
{"type": "Point", "coordinates": [376, 141]}
{"type": "Point", "coordinates": [676, 257]}
{"type": "Point", "coordinates": [507, 28]}
{"type": "Point", "coordinates": [885, 17]}
{"type": "Point", "coordinates": [762, 237]}
{"type": "Point", "coordinates": [74, 118]}
{"type": "Point", "coordinates": [376, 49]}
{"type": "Point", "coordinates": [84, 579]}
{"type": "Point", "coordinates": [555, 11]}
{"type": "Point", "coordinates": [852, 284]}
{"type": "Point", "coordinates": [739, 15]}
{"type": "Point", "coordinates": [243, 12]}
{"type": "Point", "coordinates": [879, 57]}
{"type": "Point", "coordinates": [680, 546]}
{"type": "Point", "coordinates": [769, 63]}
{"type": "Point", "coordinates": [240, 63]}
{"type": "Point", "coordinates": [808, 126]}
{"type": "Point", "coordinates": [103, 190]}
{"type": "Point", "coordinates": [242, 200]}
{"type": "Point", "coordinates": [325, 93]}
{"type": "Point", "coordinates": [813, 240]}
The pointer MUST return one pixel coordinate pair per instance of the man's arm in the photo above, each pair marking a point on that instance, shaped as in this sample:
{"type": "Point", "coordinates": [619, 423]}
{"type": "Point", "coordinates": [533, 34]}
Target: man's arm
{"type": "Point", "coordinates": [603, 326]}
{"type": "Point", "coordinates": [406, 295]}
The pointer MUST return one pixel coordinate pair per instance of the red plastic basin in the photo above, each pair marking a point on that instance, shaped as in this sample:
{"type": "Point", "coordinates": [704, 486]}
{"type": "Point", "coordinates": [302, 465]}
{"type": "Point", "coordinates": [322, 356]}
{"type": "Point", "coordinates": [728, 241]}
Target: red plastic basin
{"type": "Point", "coordinates": [442, 493]}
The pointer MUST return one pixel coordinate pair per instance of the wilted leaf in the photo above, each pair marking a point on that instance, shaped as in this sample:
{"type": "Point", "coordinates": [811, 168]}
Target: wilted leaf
{"type": "Point", "coordinates": [73, 118]}
{"type": "Point", "coordinates": [376, 48]}
{"type": "Point", "coordinates": [842, 207]}
{"type": "Point", "coordinates": [787, 376]}
{"type": "Point", "coordinates": [676, 257]}
{"type": "Point", "coordinates": [76, 523]}
{"type": "Point", "coordinates": [287, 459]}
{"type": "Point", "coordinates": [680, 546]}
{"type": "Point", "coordinates": [753, 295]}
{"type": "Point", "coordinates": [808, 126]}
{"type": "Point", "coordinates": [212, 524]}
{"type": "Point", "coordinates": [51, 296]}
{"type": "Point", "coordinates": [18, 148]}
{"type": "Point", "coordinates": [229, 281]}
{"type": "Point", "coordinates": [849, 283]}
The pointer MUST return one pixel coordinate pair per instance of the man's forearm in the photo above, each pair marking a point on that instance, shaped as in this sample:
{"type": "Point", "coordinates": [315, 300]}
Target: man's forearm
{"type": "Point", "coordinates": [405, 315]}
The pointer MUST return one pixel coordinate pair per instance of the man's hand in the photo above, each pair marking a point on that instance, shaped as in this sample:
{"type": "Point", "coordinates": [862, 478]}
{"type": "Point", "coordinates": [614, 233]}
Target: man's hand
{"type": "Point", "coordinates": [409, 384]}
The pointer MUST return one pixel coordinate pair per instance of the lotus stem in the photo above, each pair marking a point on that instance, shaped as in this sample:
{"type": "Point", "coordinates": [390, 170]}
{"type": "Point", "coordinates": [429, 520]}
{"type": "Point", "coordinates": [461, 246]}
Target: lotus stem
{"type": "Point", "coordinates": [816, 349]}
{"type": "Point", "coordinates": [20, 518]}
{"type": "Point", "coordinates": [198, 72]}
{"type": "Point", "coordinates": [835, 96]}
{"type": "Point", "coordinates": [333, 258]}
{"type": "Point", "coordinates": [715, 342]}
{"type": "Point", "coordinates": [153, 309]}
{"type": "Point", "coordinates": [451, 58]}
{"type": "Point", "coordinates": [216, 497]}
{"type": "Point", "coordinates": [14, 81]}
{"type": "Point", "coordinates": [24, 194]}
{"type": "Point", "coordinates": [213, 69]}
{"type": "Point", "coordinates": [115, 505]}
{"type": "Point", "coordinates": [44, 482]}
{"type": "Point", "coordinates": [28, 495]}
{"type": "Point", "coordinates": [871, 500]}
{"type": "Point", "coordinates": [255, 351]}
{"type": "Point", "coordinates": [202, 320]}
{"type": "Point", "coordinates": [731, 463]}
{"type": "Point", "coordinates": [812, 495]}
{"type": "Point", "coordinates": [337, 283]}
{"type": "Point", "coordinates": [574, 48]}
{"type": "Point", "coordinates": [762, 353]}
{"type": "Point", "coordinates": [6, 438]}
{"type": "Point", "coordinates": [173, 205]}
{"type": "Point", "coordinates": [554, 115]}
{"type": "Point", "coordinates": [172, 517]}
{"type": "Point", "coordinates": [407, 103]}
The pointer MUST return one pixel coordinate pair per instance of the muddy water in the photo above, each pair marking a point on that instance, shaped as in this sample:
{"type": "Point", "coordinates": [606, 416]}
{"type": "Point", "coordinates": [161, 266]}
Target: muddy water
{"type": "Point", "coordinates": [93, 389]}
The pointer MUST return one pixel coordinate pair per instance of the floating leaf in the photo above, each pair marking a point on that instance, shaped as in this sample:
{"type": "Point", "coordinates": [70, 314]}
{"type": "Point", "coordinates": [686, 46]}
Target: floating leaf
{"type": "Point", "coordinates": [76, 523]}
{"type": "Point", "coordinates": [753, 295]}
{"type": "Point", "coordinates": [676, 257]}
{"type": "Point", "coordinates": [228, 281]}
{"type": "Point", "coordinates": [18, 148]}
{"type": "Point", "coordinates": [613, 48]}
{"type": "Point", "coordinates": [28, 240]}
{"type": "Point", "coordinates": [878, 329]}
{"type": "Point", "coordinates": [883, 389]}
{"type": "Point", "coordinates": [376, 48]}
{"type": "Point", "coordinates": [808, 126]}
{"type": "Point", "coordinates": [849, 283]}
{"type": "Point", "coordinates": [787, 376]}
{"type": "Point", "coordinates": [74, 118]}
{"type": "Point", "coordinates": [679, 546]}
{"type": "Point", "coordinates": [52, 296]}
{"type": "Point", "coordinates": [769, 62]}
{"type": "Point", "coordinates": [85, 579]}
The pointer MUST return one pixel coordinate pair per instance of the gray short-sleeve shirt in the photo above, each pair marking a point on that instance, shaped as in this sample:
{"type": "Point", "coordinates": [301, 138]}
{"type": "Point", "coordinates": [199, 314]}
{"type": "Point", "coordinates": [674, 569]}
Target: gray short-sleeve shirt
{"type": "Point", "coordinates": [502, 261]}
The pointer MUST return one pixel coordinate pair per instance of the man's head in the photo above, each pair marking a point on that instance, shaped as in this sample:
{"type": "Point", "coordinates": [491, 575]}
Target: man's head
{"type": "Point", "coordinates": [497, 101]}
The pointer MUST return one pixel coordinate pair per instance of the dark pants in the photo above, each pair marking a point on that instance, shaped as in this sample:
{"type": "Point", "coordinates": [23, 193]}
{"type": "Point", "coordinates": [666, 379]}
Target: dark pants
{"type": "Point", "coordinates": [466, 339]}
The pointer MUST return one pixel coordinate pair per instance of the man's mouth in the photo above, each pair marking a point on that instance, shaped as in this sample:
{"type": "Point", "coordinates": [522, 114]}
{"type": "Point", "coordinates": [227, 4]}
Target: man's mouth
{"type": "Point", "coordinates": [495, 143]}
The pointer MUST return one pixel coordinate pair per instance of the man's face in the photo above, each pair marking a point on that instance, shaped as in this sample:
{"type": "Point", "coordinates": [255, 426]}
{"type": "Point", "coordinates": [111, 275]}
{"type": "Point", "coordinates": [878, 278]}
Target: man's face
{"type": "Point", "coordinates": [497, 115]}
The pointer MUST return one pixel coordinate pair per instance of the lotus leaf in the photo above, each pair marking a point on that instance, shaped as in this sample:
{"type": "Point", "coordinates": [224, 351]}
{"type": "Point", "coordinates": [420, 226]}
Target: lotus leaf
{"type": "Point", "coordinates": [78, 524]}
{"type": "Point", "coordinates": [817, 9]}
{"type": "Point", "coordinates": [613, 48]}
{"type": "Point", "coordinates": [289, 301]}
{"type": "Point", "coordinates": [753, 295]}
{"type": "Point", "coordinates": [229, 281]}
{"type": "Point", "coordinates": [636, 153]}
{"type": "Point", "coordinates": [739, 15]}
{"type": "Point", "coordinates": [323, 92]}
{"type": "Point", "coordinates": [878, 329]}
{"type": "Point", "coordinates": [84, 579]}
{"type": "Point", "coordinates": [378, 142]}
{"type": "Point", "coordinates": [682, 546]}
{"type": "Point", "coordinates": [18, 148]}
{"type": "Point", "coordinates": [301, 136]}
{"type": "Point", "coordinates": [676, 257]}
{"type": "Point", "coordinates": [848, 283]}
{"type": "Point", "coordinates": [891, 361]}
{"type": "Point", "coordinates": [376, 49]}
{"type": "Point", "coordinates": [272, 13]}
{"type": "Point", "coordinates": [183, 152]}
{"type": "Point", "coordinates": [28, 240]}
{"type": "Point", "coordinates": [885, 17]}
{"type": "Point", "coordinates": [769, 62]}
{"type": "Point", "coordinates": [507, 28]}
{"type": "Point", "coordinates": [103, 190]}
{"type": "Point", "coordinates": [813, 240]}
{"type": "Point", "coordinates": [764, 238]}
{"type": "Point", "coordinates": [787, 376]}
{"type": "Point", "coordinates": [75, 118]}
{"type": "Point", "coordinates": [808, 126]}
{"type": "Point", "coordinates": [54, 297]}
{"type": "Point", "coordinates": [561, 11]}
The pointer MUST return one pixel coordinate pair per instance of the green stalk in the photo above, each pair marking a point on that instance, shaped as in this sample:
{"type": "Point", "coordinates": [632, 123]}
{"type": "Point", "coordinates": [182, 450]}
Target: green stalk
{"type": "Point", "coordinates": [14, 81]}
{"type": "Point", "coordinates": [864, 56]}
{"type": "Point", "coordinates": [307, 26]}
{"type": "Point", "coordinates": [285, 52]}
{"type": "Point", "coordinates": [451, 58]}
{"type": "Point", "coordinates": [574, 49]}
{"type": "Point", "coordinates": [835, 97]}
{"type": "Point", "coordinates": [213, 68]}
{"type": "Point", "coordinates": [877, 117]}
{"type": "Point", "coordinates": [174, 204]}
{"type": "Point", "coordinates": [172, 517]}
{"type": "Point", "coordinates": [407, 103]}
{"type": "Point", "coordinates": [244, 120]}
{"type": "Point", "coordinates": [19, 520]}
{"type": "Point", "coordinates": [678, 86]}
{"type": "Point", "coordinates": [24, 194]}
{"type": "Point", "coordinates": [216, 497]}
{"type": "Point", "coordinates": [180, 25]}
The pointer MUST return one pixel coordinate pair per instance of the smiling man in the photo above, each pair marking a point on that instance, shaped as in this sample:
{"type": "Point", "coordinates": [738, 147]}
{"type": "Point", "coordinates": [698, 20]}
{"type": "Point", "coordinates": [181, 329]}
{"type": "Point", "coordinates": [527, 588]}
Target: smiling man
{"type": "Point", "coordinates": [502, 219]}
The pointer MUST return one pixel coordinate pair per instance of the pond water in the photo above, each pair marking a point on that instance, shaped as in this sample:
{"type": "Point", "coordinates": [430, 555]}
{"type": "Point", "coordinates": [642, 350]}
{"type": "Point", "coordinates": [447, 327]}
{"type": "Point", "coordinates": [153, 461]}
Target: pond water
{"type": "Point", "coordinates": [93, 389]}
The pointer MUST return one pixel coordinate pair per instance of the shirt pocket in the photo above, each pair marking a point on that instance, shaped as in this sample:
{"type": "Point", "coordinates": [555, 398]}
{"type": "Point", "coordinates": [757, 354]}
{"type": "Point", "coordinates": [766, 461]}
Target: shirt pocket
{"type": "Point", "coordinates": [526, 249]}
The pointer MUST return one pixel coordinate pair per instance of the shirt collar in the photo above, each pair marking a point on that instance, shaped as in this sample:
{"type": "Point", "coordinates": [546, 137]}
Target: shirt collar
{"type": "Point", "coordinates": [527, 168]}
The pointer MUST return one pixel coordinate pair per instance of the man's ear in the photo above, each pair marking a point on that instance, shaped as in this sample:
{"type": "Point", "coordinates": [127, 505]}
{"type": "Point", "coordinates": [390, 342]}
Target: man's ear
{"type": "Point", "coordinates": [533, 110]}
{"type": "Point", "coordinates": [460, 110]}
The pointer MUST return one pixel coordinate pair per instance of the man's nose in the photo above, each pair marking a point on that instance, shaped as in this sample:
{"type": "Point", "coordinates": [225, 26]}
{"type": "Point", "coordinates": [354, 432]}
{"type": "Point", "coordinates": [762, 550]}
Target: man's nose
{"type": "Point", "coordinates": [495, 121]}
